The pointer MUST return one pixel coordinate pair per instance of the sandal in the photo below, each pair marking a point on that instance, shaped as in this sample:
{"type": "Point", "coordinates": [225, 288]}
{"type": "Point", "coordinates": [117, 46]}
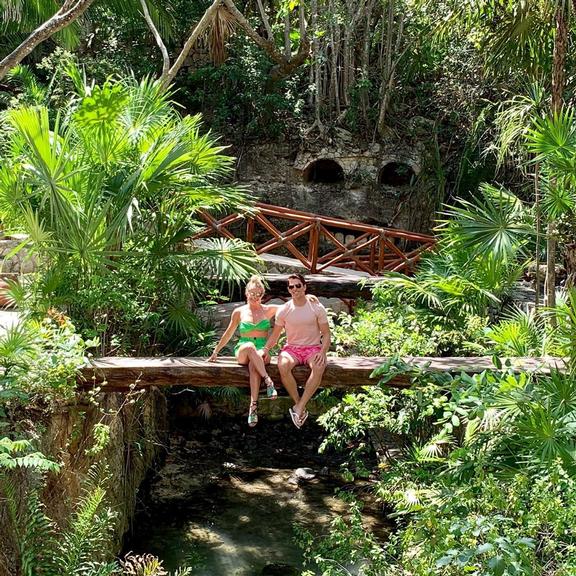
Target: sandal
{"type": "Point", "coordinates": [295, 418]}
{"type": "Point", "coordinates": [303, 418]}
{"type": "Point", "coordinates": [252, 414]}
{"type": "Point", "coordinates": [270, 389]}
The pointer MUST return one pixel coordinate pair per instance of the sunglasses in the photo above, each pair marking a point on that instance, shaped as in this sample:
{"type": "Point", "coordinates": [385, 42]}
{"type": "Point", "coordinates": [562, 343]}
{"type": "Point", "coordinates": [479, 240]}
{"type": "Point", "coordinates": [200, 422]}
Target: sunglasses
{"type": "Point", "coordinates": [292, 286]}
{"type": "Point", "coordinates": [255, 294]}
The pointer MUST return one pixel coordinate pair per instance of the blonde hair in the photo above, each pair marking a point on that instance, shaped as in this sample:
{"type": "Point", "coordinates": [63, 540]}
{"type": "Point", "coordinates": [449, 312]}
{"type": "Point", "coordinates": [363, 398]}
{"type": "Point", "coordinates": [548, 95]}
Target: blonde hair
{"type": "Point", "coordinates": [255, 282]}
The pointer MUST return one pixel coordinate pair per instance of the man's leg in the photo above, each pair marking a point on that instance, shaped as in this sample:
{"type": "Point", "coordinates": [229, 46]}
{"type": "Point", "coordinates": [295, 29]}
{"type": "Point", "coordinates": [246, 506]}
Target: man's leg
{"type": "Point", "coordinates": [316, 373]}
{"type": "Point", "coordinates": [285, 365]}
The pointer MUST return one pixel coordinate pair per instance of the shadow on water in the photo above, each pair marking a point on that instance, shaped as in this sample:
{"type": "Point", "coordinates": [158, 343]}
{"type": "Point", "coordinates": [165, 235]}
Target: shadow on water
{"type": "Point", "coordinates": [227, 499]}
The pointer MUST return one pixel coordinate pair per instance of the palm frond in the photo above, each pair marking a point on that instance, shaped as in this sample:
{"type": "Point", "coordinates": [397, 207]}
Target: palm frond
{"type": "Point", "coordinates": [17, 344]}
{"type": "Point", "coordinates": [492, 224]}
{"type": "Point", "coordinates": [513, 120]}
{"type": "Point", "coordinates": [553, 140]}
{"type": "Point", "coordinates": [221, 28]}
{"type": "Point", "coordinates": [230, 260]}
{"type": "Point", "coordinates": [35, 92]}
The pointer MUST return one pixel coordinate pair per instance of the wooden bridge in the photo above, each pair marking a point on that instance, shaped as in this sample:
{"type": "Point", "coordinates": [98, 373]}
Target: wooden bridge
{"type": "Point", "coordinates": [116, 374]}
{"type": "Point", "coordinates": [369, 249]}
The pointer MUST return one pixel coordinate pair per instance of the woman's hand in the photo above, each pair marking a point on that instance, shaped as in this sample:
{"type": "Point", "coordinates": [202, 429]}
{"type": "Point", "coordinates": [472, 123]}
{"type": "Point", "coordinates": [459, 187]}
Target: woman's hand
{"type": "Point", "coordinates": [265, 354]}
{"type": "Point", "coordinates": [213, 356]}
{"type": "Point", "coordinates": [312, 299]}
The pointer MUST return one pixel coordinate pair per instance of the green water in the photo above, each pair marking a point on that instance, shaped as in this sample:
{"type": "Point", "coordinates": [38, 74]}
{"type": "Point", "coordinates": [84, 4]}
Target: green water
{"type": "Point", "coordinates": [227, 500]}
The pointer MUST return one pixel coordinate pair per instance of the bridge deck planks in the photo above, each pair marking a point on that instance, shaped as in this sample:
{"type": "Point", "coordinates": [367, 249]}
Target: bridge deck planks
{"type": "Point", "coordinates": [118, 373]}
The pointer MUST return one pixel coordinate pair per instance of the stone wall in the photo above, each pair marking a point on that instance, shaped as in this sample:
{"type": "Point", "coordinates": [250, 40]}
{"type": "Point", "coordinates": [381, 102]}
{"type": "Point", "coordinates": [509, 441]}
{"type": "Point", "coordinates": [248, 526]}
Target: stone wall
{"type": "Point", "coordinates": [20, 263]}
{"type": "Point", "coordinates": [370, 190]}
{"type": "Point", "coordinates": [138, 430]}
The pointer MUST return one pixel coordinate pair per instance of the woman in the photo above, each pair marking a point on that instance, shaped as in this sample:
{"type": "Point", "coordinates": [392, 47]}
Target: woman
{"type": "Point", "coordinates": [253, 322]}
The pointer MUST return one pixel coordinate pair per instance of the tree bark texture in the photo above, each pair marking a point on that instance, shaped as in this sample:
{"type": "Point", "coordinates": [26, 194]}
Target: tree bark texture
{"type": "Point", "coordinates": [198, 30]}
{"type": "Point", "coordinates": [570, 259]}
{"type": "Point", "coordinates": [392, 55]}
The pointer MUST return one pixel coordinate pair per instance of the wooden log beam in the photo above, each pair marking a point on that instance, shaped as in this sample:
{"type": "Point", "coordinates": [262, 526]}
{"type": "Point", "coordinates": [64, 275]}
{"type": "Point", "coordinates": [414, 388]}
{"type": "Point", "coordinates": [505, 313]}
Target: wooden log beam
{"type": "Point", "coordinates": [122, 374]}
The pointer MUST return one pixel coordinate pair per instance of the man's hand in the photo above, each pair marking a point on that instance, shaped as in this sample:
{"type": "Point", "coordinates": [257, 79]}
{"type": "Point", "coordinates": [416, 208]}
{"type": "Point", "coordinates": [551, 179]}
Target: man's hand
{"type": "Point", "coordinates": [213, 356]}
{"type": "Point", "coordinates": [319, 359]}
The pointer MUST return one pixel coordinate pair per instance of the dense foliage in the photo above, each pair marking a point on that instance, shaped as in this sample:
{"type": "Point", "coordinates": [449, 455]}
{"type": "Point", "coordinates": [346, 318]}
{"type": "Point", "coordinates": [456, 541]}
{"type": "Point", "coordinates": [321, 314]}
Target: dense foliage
{"type": "Point", "coordinates": [107, 190]}
{"type": "Point", "coordinates": [478, 472]}
{"type": "Point", "coordinates": [106, 178]}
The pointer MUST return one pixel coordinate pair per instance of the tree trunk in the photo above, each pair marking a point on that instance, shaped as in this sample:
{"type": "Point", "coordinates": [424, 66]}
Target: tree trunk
{"type": "Point", "coordinates": [558, 81]}
{"type": "Point", "coordinates": [538, 216]}
{"type": "Point", "coordinates": [394, 35]}
{"type": "Point", "coordinates": [287, 42]}
{"type": "Point", "coordinates": [167, 78]}
{"type": "Point", "coordinates": [70, 11]}
{"type": "Point", "coordinates": [317, 70]}
{"type": "Point", "coordinates": [365, 59]}
{"type": "Point", "coordinates": [570, 260]}
{"type": "Point", "coordinates": [158, 38]}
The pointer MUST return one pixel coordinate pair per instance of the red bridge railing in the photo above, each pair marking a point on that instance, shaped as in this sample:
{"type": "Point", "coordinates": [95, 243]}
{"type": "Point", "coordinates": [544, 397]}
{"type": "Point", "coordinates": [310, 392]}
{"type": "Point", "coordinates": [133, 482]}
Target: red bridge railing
{"type": "Point", "coordinates": [373, 249]}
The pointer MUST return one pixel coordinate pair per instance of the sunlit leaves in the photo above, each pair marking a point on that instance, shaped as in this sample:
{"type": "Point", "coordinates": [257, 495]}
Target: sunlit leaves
{"type": "Point", "coordinates": [553, 138]}
{"type": "Point", "coordinates": [20, 454]}
{"type": "Point", "coordinates": [227, 259]}
{"type": "Point", "coordinates": [17, 344]}
{"type": "Point", "coordinates": [117, 180]}
{"type": "Point", "coordinates": [492, 224]}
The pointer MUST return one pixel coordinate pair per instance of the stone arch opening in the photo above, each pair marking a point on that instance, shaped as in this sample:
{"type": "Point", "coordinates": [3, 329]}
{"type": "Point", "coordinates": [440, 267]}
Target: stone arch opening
{"type": "Point", "coordinates": [324, 171]}
{"type": "Point", "coordinates": [396, 174]}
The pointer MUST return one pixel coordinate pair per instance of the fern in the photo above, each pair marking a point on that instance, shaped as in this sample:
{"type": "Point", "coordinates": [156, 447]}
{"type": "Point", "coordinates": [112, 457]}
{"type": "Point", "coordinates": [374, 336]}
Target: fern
{"type": "Point", "coordinates": [44, 551]}
{"type": "Point", "coordinates": [34, 460]}
{"type": "Point", "coordinates": [86, 534]}
{"type": "Point", "coordinates": [32, 531]}
{"type": "Point", "coordinates": [37, 543]}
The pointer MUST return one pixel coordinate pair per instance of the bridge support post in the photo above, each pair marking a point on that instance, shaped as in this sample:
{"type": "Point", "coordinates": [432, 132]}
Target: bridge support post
{"type": "Point", "coordinates": [314, 246]}
{"type": "Point", "coordinates": [381, 251]}
{"type": "Point", "coordinates": [250, 230]}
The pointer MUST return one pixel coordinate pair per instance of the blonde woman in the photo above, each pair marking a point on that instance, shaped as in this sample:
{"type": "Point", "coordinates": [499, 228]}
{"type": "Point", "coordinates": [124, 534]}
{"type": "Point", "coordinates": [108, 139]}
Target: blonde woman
{"type": "Point", "coordinates": [253, 323]}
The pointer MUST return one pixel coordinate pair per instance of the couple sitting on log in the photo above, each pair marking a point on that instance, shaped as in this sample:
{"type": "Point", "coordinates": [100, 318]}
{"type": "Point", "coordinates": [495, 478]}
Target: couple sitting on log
{"type": "Point", "coordinates": [307, 340]}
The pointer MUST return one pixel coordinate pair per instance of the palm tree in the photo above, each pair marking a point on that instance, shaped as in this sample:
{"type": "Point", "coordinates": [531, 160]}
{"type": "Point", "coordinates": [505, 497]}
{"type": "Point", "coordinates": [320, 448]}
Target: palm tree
{"type": "Point", "coordinates": [480, 255]}
{"type": "Point", "coordinates": [518, 33]}
{"type": "Point", "coordinates": [553, 142]}
{"type": "Point", "coordinates": [113, 183]}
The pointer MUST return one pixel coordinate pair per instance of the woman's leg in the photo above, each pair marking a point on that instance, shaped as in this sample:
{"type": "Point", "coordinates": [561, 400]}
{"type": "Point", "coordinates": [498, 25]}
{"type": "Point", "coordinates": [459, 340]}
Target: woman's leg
{"type": "Point", "coordinates": [247, 354]}
{"type": "Point", "coordinates": [255, 380]}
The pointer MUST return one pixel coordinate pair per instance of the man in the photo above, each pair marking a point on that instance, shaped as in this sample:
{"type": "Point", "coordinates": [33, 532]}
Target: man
{"type": "Point", "coordinates": [307, 342]}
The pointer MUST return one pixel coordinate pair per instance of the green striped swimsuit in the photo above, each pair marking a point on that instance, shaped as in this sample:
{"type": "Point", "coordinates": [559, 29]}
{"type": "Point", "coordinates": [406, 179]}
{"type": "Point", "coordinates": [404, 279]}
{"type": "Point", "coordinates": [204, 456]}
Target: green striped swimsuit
{"type": "Point", "coordinates": [258, 341]}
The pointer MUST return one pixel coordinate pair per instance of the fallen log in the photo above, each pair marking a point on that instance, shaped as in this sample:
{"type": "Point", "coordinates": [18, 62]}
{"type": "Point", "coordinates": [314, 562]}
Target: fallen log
{"type": "Point", "coordinates": [114, 374]}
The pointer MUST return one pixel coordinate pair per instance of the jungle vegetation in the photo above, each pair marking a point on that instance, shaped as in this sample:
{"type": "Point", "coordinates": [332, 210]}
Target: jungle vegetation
{"type": "Point", "coordinates": [115, 121]}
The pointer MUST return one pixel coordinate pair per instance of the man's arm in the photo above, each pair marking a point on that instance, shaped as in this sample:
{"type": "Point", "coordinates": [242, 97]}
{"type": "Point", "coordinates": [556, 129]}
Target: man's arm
{"type": "Point", "coordinates": [273, 338]}
{"type": "Point", "coordinates": [326, 338]}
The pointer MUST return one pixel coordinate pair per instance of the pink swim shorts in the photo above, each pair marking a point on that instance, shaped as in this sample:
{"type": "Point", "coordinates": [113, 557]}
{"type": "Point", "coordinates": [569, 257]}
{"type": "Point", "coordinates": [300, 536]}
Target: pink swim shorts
{"type": "Point", "coordinates": [301, 353]}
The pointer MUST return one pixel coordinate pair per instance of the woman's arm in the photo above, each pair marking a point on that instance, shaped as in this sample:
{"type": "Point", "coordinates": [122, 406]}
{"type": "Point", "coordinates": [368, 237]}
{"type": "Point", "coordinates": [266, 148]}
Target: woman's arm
{"type": "Point", "coordinates": [225, 338]}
